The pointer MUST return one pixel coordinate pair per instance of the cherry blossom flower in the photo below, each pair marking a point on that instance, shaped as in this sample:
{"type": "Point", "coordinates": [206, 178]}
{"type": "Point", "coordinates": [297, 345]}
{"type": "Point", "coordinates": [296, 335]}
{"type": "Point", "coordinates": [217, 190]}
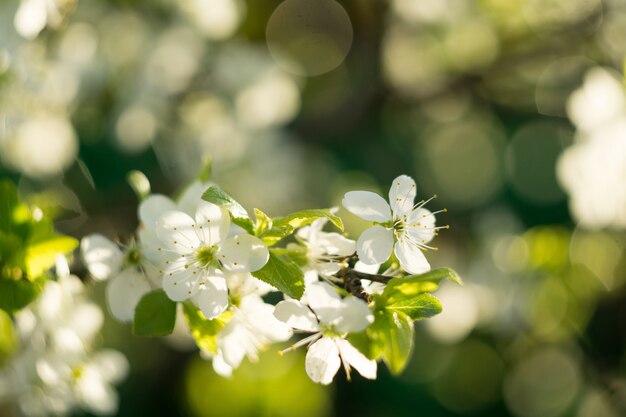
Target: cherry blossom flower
{"type": "Point", "coordinates": [324, 248]}
{"type": "Point", "coordinates": [252, 328]}
{"type": "Point", "coordinates": [330, 318]}
{"type": "Point", "coordinates": [198, 251]}
{"type": "Point", "coordinates": [127, 273]}
{"type": "Point", "coordinates": [400, 227]}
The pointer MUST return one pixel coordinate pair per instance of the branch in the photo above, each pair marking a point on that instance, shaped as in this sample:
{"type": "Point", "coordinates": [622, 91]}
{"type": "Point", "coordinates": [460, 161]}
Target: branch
{"type": "Point", "coordinates": [354, 274]}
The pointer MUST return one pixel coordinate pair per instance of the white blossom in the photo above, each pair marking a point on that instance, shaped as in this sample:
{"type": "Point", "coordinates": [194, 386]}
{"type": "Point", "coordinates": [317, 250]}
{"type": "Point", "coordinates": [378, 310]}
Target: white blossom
{"type": "Point", "coordinates": [127, 273]}
{"type": "Point", "coordinates": [593, 169]}
{"type": "Point", "coordinates": [198, 250]}
{"type": "Point", "coordinates": [56, 370]}
{"type": "Point", "coordinates": [251, 329]}
{"type": "Point", "coordinates": [400, 227]}
{"type": "Point", "coordinates": [330, 318]}
{"type": "Point", "coordinates": [324, 248]}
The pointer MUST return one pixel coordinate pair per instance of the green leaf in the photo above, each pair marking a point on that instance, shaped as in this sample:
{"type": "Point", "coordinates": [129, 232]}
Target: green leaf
{"type": "Point", "coordinates": [155, 315]}
{"type": "Point", "coordinates": [276, 234]}
{"type": "Point", "coordinates": [400, 288]}
{"type": "Point", "coordinates": [362, 342]}
{"type": "Point", "coordinates": [417, 307]}
{"type": "Point", "coordinates": [11, 254]}
{"type": "Point", "coordinates": [436, 276]}
{"type": "Point", "coordinates": [41, 256]}
{"type": "Point", "coordinates": [17, 294]}
{"type": "Point", "coordinates": [205, 331]}
{"type": "Point", "coordinates": [8, 339]}
{"type": "Point", "coordinates": [391, 335]}
{"type": "Point", "coordinates": [8, 203]}
{"type": "Point", "coordinates": [238, 214]}
{"type": "Point", "coordinates": [282, 273]}
{"type": "Point", "coordinates": [305, 217]}
{"type": "Point", "coordinates": [263, 222]}
{"type": "Point", "coordinates": [207, 169]}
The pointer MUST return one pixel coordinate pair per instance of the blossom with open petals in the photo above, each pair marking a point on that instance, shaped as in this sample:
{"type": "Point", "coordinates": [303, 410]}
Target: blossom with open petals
{"type": "Point", "coordinates": [330, 318]}
{"type": "Point", "coordinates": [198, 251]}
{"type": "Point", "coordinates": [126, 271]}
{"type": "Point", "coordinates": [401, 227]}
{"type": "Point", "coordinates": [324, 248]}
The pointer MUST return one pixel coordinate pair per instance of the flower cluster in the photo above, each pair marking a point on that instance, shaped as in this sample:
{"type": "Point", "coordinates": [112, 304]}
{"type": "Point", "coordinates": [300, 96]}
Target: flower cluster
{"type": "Point", "coordinates": [592, 170]}
{"type": "Point", "coordinates": [57, 370]}
{"type": "Point", "coordinates": [204, 257]}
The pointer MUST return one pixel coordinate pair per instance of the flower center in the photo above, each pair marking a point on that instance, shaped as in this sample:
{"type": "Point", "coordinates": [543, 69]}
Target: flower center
{"type": "Point", "coordinates": [133, 257]}
{"type": "Point", "coordinates": [206, 256]}
{"type": "Point", "coordinates": [328, 330]}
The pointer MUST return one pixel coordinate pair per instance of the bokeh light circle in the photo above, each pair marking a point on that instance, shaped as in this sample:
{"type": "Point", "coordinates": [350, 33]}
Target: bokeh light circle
{"type": "Point", "coordinates": [309, 38]}
{"type": "Point", "coordinates": [544, 384]}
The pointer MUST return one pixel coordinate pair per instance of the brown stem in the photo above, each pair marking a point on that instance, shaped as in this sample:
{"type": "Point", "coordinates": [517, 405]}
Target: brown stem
{"type": "Point", "coordinates": [353, 274]}
{"type": "Point", "coordinates": [352, 281]}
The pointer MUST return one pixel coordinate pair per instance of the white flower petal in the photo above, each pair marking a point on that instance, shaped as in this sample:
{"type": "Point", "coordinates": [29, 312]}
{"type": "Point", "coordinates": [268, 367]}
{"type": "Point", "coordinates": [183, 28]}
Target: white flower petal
{"type": "Point", "coordinates": [180, 283]}
{"type": "Point", "coordinates": [235, 342]}
{"type": "Point", "coordinates": [102, 257]}
{"type": "Point", "coordinates": [367, 205]}
{"type": "Point", "coordinates": [322, 361]}
{"type": "Point", "coordinates": [296, 315]}
{"type": "Point", "coordinates": [260, 318]}
{"type": "Point", "coordinates": [153, 207]}
{"type": "Point", "coordinates": [366, 367]}
{"type": "Point", "coordinates": [176, 231]}
{"type": "Point", "coordinates": [402, 195]}
{"type": "Point", "coordinates": [221, 367]}
{"type": "Point", "coordinates": [243, 253]}
{"type": "Point", "coordinates": [355, 316]}
{"type": "Point", "coordinates": [335, 244]}
{"type": "Point", "coordinates": [310, 232]}
{"type": "Point", "coordinates": [368, 269]}
{"type": "Point", "coordinates": [31, 17]}
{"type": "Point", "coordinates": [310, 276]}
{"type": "Point", "coordinates": [110, 364]}
{"type": "Point", "coordinates": [411, 258]}
{"type": "Point", "coordinates": [324, 301]}
{"type": "Point", "coordinates": [95, 394]}
{"type": "Point", "coordinates": [213, 298]}
{"type": "Point", "coordinates": [192, 197]}
{"type": "Point", "coordinates": [421, 225]}
{"type": "Point", "coordinates": [124, 292]}
{"type": "Point", "coordinates": [212, 222]}
{"type": "Point", "coordinates": [327, 268]}
{"type": "Point", "coordinates": [375, 245]}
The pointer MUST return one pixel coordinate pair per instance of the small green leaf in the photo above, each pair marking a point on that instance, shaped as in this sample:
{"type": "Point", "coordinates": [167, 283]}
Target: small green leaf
{"type": "Point", "coordinates": [8, 203]}
{"type": "Point", "coordinates": [41, 256]}
{"type": "Point", "coordinates": [11, 253]}
{"type": "Point", "coordinates": [362, 342]}
{"type": "Point", "coordinates": [155, 315]}
{"type": "Point", "coordinates": [238, 214]}
{"type": "Point", "coordinates": [276, 234]}
{"type": "Point", "coordinates": [392, 338]}
{"type": "Point", "coordinates": [436, 275]}
{"type": "Point", "coordinates": [305, 217]}
{"type": "Point", "coordinates": [400, 288]}
{"type": "Point", "coordinates": [263, 222]}
{"type": "Point", "coordinates": [282, 273]}
{"type": "Point", "coordinates": [207, 169]}
{"type": "Point", "coordinates": [417, 307]}
{"type": "Point", "coordinates": [205, 331]}
{"type": "Point", "coordinates": [17, 294]}
{"type": "Point", "coordinates": [8, 339]}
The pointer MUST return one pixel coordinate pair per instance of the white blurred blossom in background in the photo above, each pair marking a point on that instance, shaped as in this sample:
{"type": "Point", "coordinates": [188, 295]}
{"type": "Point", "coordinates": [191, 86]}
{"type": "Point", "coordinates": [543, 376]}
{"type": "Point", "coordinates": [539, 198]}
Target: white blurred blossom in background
{"type": "Point", "coordinates": [593, 169]}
